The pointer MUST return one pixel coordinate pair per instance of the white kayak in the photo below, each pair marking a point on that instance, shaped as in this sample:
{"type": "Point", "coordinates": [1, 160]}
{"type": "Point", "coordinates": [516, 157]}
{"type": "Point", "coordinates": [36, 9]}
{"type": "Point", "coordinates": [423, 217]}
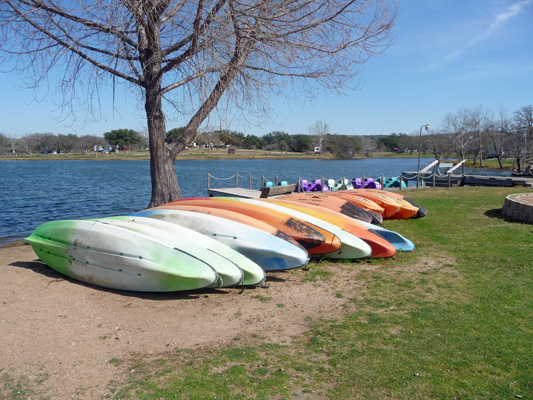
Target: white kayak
{"type": "Point", "coordinates": [230, 263]}
{"type": "Point", "coordinates": [117, 258]}
{"type": "Point", "coordinates": [268, 251]}
{"type": "Point", "coordinates": [399, 242]}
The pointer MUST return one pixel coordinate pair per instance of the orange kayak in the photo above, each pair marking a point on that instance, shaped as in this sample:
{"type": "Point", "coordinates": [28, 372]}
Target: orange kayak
{"type": "Point", "coordinates": [358, 201]}
{"type": "Point", "coordinates": [421, 210]}
{"type": "Point", "coordinates": [315, 240]}
{"type": "Point", "coordinates": [405, 209]}
{"type": "Point", "coordinates": [369, 206]}
{"type": "Point", "coordinates": [333, 203]}
{"type": "Point", "coordinates": [389, 205]}
{"type": "Point", "coordinates": [233, 216]}
{"type": "Point", "coordinates": [380, 247]}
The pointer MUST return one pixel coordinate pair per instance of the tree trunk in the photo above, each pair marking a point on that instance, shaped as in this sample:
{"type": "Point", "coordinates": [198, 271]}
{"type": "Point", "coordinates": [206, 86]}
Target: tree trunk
{"type": "Point", "coordinates": [165, 186]}
{"type": "Point", "coordinates": [518, 163]}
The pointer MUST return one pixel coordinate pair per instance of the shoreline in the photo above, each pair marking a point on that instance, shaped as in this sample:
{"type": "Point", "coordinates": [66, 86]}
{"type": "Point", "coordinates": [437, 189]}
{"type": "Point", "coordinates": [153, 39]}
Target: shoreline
{"type": "Point", "coordinates": [491, 164]}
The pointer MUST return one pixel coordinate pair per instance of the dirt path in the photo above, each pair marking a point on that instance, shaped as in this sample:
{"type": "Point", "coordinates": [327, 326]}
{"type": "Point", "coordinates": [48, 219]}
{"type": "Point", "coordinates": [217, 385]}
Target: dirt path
{"type": "Point", "coordinates": [62, 339]}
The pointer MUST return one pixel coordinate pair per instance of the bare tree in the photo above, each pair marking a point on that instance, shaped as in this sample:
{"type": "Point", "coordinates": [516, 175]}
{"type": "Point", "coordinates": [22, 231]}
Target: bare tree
{"type": "Point", "coordinates": [460, 126]}
{"type": "Point", "coordinates": [367, 145]}
{"type": "Point", "coordinates": [90, 142]}
{"type": "Point", "coordinates": [497, 131]}
{"type": "Point", "coordinates": [438, 144]}
{"type": "Point", "coordinates": [520, 133]}
{"type": "Point", "coordinates": [201, 52]}
{"type": "Point", "coordinates": [319, 130]}
{"type": "Point", "coordinates": [523, 122]}
{"type": "Point", "coordinates": [39, 142]}
{"type": "Point", "coordinates": [4, 143]}
{"type": "Point", "coordinates": [341, 146]}
{"type": "Point", "coordinates": [477, 121]}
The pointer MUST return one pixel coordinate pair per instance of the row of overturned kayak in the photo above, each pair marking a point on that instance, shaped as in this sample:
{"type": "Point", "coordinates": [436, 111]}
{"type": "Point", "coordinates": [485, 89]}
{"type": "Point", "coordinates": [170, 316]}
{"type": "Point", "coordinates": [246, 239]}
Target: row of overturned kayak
{"type": "Point", "coordinates": [214, 242]}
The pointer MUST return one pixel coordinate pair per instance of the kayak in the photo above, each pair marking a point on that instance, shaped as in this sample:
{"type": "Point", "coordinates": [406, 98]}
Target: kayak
{"type": "Point", "coordinates": [380, 247]}
{"type": "Point", "coordinates": [405, 209]}
{"type": "Point", "coordinates": [112, 257]}
{"type": "Point", "coordinates": [399, 242]}
{"type": "Point", "coordinates": [232, 267]}
{"type": "Point", "coordinates": [271, 253]}
{"type": "Point", "coordinates": [389, 205]}
{"type": "Point", "coordinates": [314, 239]}
{"type": "Point", "coordinates": [230, 215]}
{"type": "Point", "coordinates": [362, 202]}
{"type": "Point", "coordinates": [352, 247]}
{"type": "Point", "coordinates": [421, 210]}
{"type": "Point", "coordinates": [333, 203]}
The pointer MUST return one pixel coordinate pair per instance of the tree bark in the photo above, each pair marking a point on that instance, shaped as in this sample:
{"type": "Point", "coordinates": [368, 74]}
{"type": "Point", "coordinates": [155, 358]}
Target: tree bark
{"type": "Point", "coordinates": [165, 186]}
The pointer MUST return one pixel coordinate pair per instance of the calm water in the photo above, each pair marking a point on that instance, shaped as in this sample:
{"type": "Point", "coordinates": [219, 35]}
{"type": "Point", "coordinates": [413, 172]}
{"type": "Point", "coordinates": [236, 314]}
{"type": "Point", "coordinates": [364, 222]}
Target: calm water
{"type": "Point", "coordinates": [34, 192]}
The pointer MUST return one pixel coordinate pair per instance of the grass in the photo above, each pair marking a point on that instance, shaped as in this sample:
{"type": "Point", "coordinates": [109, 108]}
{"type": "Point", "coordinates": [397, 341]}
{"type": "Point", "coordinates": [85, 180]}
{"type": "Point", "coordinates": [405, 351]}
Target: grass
{"type": "Point", "coordinates": [22, 387]}
{"type": "Point", "coordinates": [452, 320]}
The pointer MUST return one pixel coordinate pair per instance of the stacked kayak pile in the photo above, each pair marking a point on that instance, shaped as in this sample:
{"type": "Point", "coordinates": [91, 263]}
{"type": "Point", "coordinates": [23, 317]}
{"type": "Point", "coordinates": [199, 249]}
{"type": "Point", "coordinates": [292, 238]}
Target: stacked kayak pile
{"type": "Point", "coordinates": [216, 242]}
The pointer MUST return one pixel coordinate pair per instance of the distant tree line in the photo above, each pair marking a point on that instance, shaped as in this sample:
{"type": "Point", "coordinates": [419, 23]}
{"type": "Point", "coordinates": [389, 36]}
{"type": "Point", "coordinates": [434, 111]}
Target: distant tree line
{"type": "Point", "coordinates": [51, 143]}
{"type": "Point", "coordinates": [477, 133]}
{"type": "Point", "coordinates": [340, 146]}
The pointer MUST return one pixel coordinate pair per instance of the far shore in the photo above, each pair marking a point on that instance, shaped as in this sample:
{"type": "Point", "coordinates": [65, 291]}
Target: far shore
{"type": "Point", "coordinates": [222, 154]}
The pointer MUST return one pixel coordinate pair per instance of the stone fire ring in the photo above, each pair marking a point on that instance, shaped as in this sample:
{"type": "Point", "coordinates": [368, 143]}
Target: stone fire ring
{"type": "Point", "coordinates": [519, 206]}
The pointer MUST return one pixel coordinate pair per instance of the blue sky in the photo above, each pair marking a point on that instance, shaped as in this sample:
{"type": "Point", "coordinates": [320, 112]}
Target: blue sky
{"type": "Point", "coordinates": [447, 55]}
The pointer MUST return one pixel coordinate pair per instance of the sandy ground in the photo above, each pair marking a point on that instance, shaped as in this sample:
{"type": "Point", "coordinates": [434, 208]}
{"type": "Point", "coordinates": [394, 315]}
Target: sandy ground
{"type": "Point", "coordinates": [59, 337]}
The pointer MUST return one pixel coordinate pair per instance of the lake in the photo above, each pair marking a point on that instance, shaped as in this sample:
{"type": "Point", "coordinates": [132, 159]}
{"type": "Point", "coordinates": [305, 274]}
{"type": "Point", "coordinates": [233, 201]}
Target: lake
{"type": "Point", "coordinates": [34, 192]}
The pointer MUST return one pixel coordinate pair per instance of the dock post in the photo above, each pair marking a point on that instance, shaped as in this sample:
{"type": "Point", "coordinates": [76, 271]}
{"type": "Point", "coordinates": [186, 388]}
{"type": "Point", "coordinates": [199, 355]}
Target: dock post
{"type": "Point", "coordinates": [208, 182]}
{"type": "Point", "coordinates": [299, 185]}
{"type": "Point", "coordinates": [237, 179]}
{"type": "Point", "coordinates": [401, 180]}
{"type": "Point", "coordinates": [343, 186]}
{"type": "Point", "coordinates": [322, 185]}
{"type": "Point", "coordinates": [276, 181]}
{"type": "Point", "coordinates": [434, 174]}
{"type": "Point", "coordinates": [250, 180]}
{"type": "Point", "coordinates": [382, 182]}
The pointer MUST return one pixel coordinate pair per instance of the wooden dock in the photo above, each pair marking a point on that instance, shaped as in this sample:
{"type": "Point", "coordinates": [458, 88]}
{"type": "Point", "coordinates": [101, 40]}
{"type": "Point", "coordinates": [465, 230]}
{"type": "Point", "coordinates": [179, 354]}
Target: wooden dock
{"type": "Point", "coordinates": [250, 193]}
{"type": "Point", "coordinates": [478, 180]}
{"type": "Point", "coordinates": [234, 192]}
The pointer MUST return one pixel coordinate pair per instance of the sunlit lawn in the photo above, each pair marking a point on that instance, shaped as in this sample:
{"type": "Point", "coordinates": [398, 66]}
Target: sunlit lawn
{"type": "Point", "coordinates": [452, 320]}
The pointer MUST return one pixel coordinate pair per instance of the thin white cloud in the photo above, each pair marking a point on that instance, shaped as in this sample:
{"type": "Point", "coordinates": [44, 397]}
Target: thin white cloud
{"type": "Point", "coordinates": [499, 21]}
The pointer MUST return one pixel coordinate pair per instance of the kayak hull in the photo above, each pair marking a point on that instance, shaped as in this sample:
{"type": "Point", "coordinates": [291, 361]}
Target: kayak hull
{"type": "Point", "coordinates": [270, 252]}
{"type": "Point", "coordinates": [115, 258]}
{"type": "Point", "coordinates": [380, 247]}
{"type": "Point", "coordinates": [232, 267]}
{"type": "Point", "coordinates": [315, 240]}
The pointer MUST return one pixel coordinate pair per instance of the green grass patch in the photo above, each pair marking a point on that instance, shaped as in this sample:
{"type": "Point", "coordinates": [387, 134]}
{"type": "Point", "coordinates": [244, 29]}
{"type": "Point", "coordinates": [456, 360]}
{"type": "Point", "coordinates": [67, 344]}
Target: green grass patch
{"type": "Point", "coordinates": [262, 299]}
{"type": "Point", "coordinates": [318, 272]}
{"type": "Point", "coordinates": [17, 387]}
{"type": "Point", "coordinates": [451, 320]}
